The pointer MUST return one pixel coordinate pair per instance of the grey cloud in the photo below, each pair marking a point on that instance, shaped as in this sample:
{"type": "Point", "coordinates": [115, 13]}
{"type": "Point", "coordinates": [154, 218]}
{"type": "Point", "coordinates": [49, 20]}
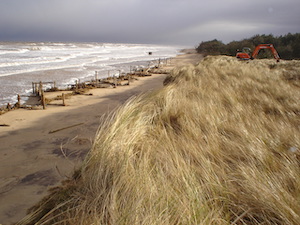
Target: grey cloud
{"type": "Point", "coordinates": [145, 21]}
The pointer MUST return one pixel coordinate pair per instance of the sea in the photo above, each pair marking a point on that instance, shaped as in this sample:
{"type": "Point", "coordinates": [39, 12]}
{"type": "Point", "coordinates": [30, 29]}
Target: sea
{"type": "Point", "coordinates": [22, 63]}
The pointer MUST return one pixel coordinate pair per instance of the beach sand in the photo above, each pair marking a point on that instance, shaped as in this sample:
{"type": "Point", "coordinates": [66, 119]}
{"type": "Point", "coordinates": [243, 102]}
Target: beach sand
{"type": "Point", "coordinates": [41, 148]}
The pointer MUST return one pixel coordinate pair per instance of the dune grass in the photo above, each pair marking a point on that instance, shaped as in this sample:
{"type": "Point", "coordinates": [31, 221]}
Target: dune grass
{"type": "Point", "coordinates": [219, 144]}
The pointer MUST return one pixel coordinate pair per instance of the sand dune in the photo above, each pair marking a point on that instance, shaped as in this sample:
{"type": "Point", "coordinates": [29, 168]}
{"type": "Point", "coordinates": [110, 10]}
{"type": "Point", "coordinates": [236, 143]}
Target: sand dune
{"type": "Point", "coordinates": [219, 144]}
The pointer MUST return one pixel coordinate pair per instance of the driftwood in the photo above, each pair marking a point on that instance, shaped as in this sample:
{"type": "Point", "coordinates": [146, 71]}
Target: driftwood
{"type": "Point", "coordinates": [4, 125]}
{"type": "Point", "coordinates": [64, 128]}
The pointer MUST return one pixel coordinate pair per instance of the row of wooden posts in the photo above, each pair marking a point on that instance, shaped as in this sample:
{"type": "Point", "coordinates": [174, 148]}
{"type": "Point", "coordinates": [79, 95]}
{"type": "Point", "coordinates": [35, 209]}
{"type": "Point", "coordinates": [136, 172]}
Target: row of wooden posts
{"type": "Point", "coordinates": [10, 107]}
{"type": "Point", "coordinates": [43, 102]}
{"type": "Point", "coordinates": [37, 90]}
{"type": "Point", "coordinates": [37, 87]}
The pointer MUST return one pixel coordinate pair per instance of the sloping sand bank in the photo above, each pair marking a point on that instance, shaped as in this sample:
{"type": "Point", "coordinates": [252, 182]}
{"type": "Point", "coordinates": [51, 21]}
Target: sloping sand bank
{"type": "Point", "coordinates": [219, 144]}
{"type": "Point", "coordinates": [40, 148]}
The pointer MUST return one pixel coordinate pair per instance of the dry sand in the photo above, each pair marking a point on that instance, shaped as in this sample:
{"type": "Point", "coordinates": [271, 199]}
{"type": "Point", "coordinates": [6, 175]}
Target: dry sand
{"type": "Point", "coordinates": [40, 148]}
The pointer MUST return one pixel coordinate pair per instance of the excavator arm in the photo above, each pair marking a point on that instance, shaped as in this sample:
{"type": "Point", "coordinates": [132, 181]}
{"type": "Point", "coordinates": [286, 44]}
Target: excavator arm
{"type": "Point", "coordinates": [265, 46]}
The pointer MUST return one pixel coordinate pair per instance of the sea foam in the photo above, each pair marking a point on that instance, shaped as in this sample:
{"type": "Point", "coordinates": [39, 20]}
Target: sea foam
{"type": "Point", "coordinates": [23, 63]}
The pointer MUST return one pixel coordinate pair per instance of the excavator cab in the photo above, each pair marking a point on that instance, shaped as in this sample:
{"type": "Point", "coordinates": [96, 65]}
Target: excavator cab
{"type": "Point", "coordinates": [244, 54]}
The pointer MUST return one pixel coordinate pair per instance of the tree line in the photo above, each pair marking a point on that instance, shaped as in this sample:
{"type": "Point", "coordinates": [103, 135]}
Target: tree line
{"type": "Point", "coordinates": [287, 46]}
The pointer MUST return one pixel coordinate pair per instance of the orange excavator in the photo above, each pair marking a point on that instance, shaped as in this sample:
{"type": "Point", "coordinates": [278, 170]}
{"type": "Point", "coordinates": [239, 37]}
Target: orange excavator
{"type": "Point", "coordinates": [245, 55]}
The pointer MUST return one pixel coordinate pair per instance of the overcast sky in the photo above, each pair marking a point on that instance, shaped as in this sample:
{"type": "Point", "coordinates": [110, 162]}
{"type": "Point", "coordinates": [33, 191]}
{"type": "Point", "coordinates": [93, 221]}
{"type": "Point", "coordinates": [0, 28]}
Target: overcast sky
{"type": "Point", "coordinates": [183, 22]}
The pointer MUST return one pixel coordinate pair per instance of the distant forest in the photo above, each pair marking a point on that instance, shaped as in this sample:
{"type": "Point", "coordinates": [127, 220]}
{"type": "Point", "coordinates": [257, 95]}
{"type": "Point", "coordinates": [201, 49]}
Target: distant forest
{"type": "Point", "coordinates": [287, 46]}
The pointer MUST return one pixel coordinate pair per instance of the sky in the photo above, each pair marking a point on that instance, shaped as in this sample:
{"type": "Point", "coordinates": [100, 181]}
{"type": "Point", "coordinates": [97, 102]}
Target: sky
{"type": "Point", "coordinates": [175, 22]}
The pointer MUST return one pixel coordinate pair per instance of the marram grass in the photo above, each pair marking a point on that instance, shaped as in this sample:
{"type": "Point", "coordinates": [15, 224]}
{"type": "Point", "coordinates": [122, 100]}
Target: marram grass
{"type": "Point", "coordinates": [219, 144]}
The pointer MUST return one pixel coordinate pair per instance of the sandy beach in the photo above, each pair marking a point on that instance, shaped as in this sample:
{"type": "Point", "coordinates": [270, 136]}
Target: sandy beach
{"type": "Point", "coordinates": [41, 148]}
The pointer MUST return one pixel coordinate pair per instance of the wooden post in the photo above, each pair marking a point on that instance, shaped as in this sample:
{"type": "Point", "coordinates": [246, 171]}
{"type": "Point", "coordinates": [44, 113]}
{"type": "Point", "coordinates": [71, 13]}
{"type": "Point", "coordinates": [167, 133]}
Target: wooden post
{"type": "Point", "coordinates": [129, 77]}
{"type": "Point", "coordinates": [8, 107]}
{"type": "Point", "coordinates": [33, 89]}
{"type": "Point", "coordinates": [96, 78]}
{"type": "Point", "coordinates": [63, 99]}
{"type": "Point", "coordinates": [115, 81]}
{"type": "Point", "coordinates": [19, 100]}
{"type": "Point", "coordinates": [40, 88]}
{"type": "Point", "coordinates": [76, 85]}
{"type": "Point", "coordinates": [43, 100]}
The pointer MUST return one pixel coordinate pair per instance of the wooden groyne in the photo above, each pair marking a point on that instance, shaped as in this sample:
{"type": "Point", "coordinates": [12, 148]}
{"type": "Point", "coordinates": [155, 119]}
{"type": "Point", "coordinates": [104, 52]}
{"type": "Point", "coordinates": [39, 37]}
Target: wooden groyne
{"type": "Point", "coordinates": [37, 87]}
{"type": "Point", "coordinates": [38, 99]}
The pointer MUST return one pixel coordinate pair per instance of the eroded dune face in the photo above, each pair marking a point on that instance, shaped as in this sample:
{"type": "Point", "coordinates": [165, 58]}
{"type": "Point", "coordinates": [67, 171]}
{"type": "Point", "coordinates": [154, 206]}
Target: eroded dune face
{"type": "Point", "coordinates": [218, 144]}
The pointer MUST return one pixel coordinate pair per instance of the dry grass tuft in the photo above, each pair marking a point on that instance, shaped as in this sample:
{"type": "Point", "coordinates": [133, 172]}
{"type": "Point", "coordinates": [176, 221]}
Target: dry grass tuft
{"type": "Point", "coordinates": [219, 144]}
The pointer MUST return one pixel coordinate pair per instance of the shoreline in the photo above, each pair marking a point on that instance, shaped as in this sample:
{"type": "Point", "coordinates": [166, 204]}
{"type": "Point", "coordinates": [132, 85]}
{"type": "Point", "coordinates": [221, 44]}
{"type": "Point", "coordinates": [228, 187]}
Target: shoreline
{"type": "Point", "coordinates": [66, 62]}
{"type": "Point", "coordinates": [41, 148]}
{"type": "Point", "coordinates": [63, 85]}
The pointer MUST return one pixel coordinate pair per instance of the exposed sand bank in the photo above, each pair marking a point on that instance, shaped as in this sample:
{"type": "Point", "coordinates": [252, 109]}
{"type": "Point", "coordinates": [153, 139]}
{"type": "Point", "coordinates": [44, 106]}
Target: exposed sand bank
{"type": "Point", "coordinates": [40, 148]}
{"type": "Point", "coordinates": [219, 143]}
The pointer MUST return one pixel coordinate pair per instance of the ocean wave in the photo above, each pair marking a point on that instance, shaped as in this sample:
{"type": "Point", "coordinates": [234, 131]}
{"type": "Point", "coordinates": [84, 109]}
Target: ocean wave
{"type": "Point", "coordinates": [63, 62]}
{"type": "Point", "coordinates": [36, 61]}
{"type": "Point", "coordinates": [13, 51]}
